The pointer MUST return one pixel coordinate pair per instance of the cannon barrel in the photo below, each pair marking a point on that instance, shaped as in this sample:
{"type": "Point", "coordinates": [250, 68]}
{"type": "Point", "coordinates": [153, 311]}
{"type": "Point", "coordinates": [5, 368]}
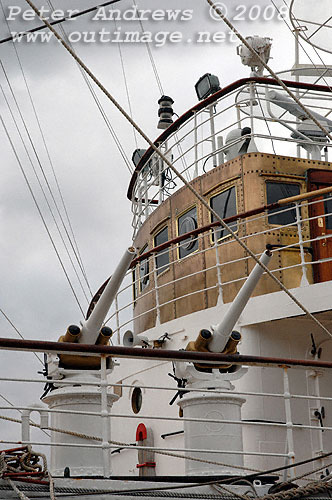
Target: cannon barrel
{"type": "Point", "coordinates": [91, 327]}
{"type": "Point", "coordinates": [222, 332]}
{"type": "Point", "coordinates": [72, 334]}
{"type": "Point", "coordinates": [104, 336]}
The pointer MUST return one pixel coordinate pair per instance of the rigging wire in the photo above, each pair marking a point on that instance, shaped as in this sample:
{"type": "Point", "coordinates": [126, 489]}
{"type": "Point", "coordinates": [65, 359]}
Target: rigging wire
{"type": "Point", "coordinates": [40, 185]}
{"type": "Point", "coordinates": [118, 144]}
{"type": "Point", "coordinates": [162, 92]}
{"type": "Point", "coordinates": [1, 395]}
{"type": "Point", "coordinates": [40, 213]}
{"type": "Point", "coordinates": [322, 76]}
{"type": "Point", "coordinates": [265, 120]}
{"type": "Point", "coordinates": [153, 64]}
{"type": "Point", "coordinates": [303, 48]}
{"type": "Point", "coordinates": [176, 172]}
{"type": "Point", "coordinates": [126, 85]}
{"type": "Point", "coordinates": [72, 239]}
{"type": "Point", "coordinates": [17, 331]}
{"type": "Point", "coordinates": [72, 16]}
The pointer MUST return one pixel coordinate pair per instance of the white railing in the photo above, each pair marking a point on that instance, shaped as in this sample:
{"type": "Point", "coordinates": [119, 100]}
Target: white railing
{"type": "Point", "coordinates": [202, 141]}
{"type": "Point", "coordinates": [131, 295]}
{"type": "Point", "coordinates": [107, 442]}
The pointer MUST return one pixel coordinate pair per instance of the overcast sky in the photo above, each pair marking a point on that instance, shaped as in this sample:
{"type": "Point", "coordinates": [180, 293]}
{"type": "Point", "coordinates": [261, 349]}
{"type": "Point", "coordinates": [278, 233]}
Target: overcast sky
{"type": "Point", "coordinates": [93, 177]}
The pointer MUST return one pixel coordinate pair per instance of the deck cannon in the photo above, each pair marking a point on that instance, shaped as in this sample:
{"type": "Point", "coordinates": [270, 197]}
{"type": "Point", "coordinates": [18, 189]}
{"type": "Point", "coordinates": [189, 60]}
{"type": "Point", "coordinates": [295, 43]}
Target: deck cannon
{"type": "Point", "coordinates": [222, 338]}
{"type": "Point", "coordinates": [92, 330]}
{"type": "Point", "coordinates": [85, 389]}
{"type": "Point", "coordinates": [216, 399]}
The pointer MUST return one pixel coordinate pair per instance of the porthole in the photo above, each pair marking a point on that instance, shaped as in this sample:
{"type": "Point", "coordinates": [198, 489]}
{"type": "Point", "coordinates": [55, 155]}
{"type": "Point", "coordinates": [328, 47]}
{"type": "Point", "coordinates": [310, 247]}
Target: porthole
{"type": "Point", "coordinates": [187, 225]}
{"type": "Point", "coordinates": [187, 222]}
{"type": "Point", "coordinates": [144, 271]}
{"type": "Point", "coordinates": [136, 400]}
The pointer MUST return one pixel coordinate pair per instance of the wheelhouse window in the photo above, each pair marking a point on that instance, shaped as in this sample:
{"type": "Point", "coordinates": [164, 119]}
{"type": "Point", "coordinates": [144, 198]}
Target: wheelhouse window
{"type": "Point", "coordinates": [224, 204]}
{"type": "Point", "coordinates": [328, 210]}
{"type": "Point", "coordinates": [144, 271]}
{"type": "Point", "coordinates": [276, 191]}
{"type": "Point", "coordinates": [187, 222]}
{"type": "Point", "coordinates": [162, 257]}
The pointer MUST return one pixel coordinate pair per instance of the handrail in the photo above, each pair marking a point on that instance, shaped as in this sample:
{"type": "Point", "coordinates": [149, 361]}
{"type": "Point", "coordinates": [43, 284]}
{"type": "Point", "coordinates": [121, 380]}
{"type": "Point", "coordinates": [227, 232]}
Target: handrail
{"type": "Point", "coordinates": [158, 354]}
{"type": "Point", "coordinates": [207, 102]}
{"type": "Point", "coordinates": [243, 215]}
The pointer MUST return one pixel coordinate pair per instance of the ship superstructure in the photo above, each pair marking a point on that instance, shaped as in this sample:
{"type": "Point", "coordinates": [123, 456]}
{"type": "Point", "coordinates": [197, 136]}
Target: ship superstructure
{"type": "Point", "coordinates": [222, 305]}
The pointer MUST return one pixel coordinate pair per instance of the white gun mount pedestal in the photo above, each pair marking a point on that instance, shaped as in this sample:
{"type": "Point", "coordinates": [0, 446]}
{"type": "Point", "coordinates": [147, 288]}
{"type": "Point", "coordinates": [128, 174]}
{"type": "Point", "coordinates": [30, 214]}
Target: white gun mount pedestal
{"type": "Point", "coordinates": [213, 435]}
{"type": "Point", "coordinates": [81, 461]}
{"type": "Point", "coordinates": [83, 394]}
{"type": "Point", "coordinates": [226, 437]}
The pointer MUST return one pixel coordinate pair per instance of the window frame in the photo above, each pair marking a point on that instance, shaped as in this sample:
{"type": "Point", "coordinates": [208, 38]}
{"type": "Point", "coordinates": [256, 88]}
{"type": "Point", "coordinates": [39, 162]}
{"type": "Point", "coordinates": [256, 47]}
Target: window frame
{"type": "Point", "coordinates": [213, 195]}
{"type": "Point", "coordinates": [140, 288]}
{"type": "Point", "coordinates": [268, 213]}
{"type": "Point", "coordinates": [166, 267]}
{"type": "Point", "coordinates": [178, 234]}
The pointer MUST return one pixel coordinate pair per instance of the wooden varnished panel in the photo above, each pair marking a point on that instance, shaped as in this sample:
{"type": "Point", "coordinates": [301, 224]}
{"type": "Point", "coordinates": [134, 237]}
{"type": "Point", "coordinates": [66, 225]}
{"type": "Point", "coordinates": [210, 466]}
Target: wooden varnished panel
{"type": "Point", "coordinates": [259, 168]}
{"type": "Point", "coordinates": [249, 174]}
{"type": "Point", "coordinates": [183, 201]}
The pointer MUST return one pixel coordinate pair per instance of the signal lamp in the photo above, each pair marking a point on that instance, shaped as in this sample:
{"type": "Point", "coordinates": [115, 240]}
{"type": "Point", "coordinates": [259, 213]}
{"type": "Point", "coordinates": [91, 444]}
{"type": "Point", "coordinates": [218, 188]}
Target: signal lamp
{"type": "Point", "coordinates": [137, 156]}
{"type": "Point", "coordinates": [207, 85]}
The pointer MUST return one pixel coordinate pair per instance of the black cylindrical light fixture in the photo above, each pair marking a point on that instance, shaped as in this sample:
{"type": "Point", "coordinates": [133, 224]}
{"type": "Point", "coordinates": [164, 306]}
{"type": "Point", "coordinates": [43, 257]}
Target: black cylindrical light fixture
{"type": "Point", "coordinates": [165, 112]}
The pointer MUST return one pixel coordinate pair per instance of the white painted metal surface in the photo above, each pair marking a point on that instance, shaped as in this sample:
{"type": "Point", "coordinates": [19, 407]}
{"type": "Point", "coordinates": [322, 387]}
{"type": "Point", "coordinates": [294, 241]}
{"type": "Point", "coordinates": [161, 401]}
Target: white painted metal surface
{"type": "Point", "coordinates": [93, 324]}
{"type": "Point", "coordinates": [222, 331]}
{"type": "Point", "coordinates": [90, 461]}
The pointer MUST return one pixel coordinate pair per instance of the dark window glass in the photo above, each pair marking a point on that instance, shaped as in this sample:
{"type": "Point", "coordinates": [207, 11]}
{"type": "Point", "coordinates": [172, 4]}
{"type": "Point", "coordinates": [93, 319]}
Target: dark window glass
{"type": "Point", "coordinates": [144, 271]}
{"type": "Point", "coordinates": [328, 210]}
{"type": "Point", "coordinates": [186, 223]}
{"type": "Point", "coordinates": [162, 257]}
{"type": "Point", "coordinates": [225, 205]}
{"type": "Point", "coordinates": [135, 285]}
{"type": "Point", "coordinates": [204, 87]}
{"type": "Point", "coordinates": [136, 400]}
{"type": "Point", "coordinates": [276, 191]}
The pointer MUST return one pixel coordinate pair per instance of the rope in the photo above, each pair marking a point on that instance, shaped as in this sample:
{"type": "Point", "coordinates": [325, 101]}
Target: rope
{"type": "Point", "coordinates": [73, 15]}
{"type": "Point", "coordinates": [232, 492]}
{"type": "Point", "coordinates": [17, 491]}
{"type": "Point", "coordinates": [52, 494]}
{"type": "Point", "coordinates": [179, 175]}
{"type": "Point", "coordinates": [312, 489]}
{"type": "Point", "coordinates": [3, 464]}
{"type": "Point", "coordinates": [315, 487]}
{"type": "Point", "coordinates": [297, 478]}
{"type": "Point", "coordinates": [21, 462]}
{"type": "Point", "coordinates": [119, 443]}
